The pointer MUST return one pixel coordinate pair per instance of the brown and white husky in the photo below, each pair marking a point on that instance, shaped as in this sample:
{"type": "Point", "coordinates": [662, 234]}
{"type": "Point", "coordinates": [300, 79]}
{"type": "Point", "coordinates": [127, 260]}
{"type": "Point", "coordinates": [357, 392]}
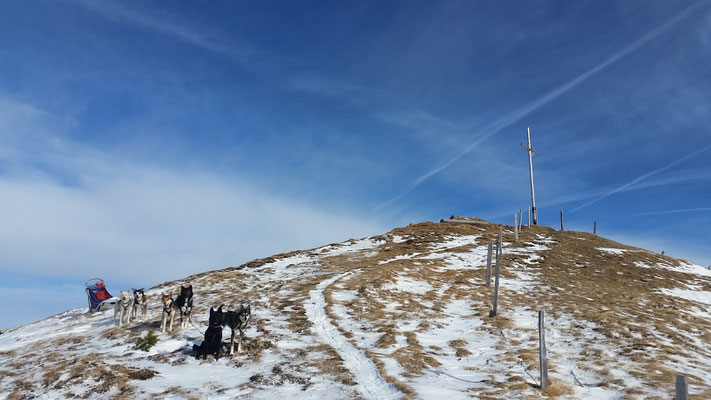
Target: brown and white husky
{"type": "Point", "coordinates": [170, 309]}
{"type": "Point", "coordinates": [140, 300]}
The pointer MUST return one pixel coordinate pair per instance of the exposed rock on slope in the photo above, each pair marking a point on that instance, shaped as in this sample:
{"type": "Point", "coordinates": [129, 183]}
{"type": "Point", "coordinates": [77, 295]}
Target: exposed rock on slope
{"type": "Point", "coordinates": [406, 317]}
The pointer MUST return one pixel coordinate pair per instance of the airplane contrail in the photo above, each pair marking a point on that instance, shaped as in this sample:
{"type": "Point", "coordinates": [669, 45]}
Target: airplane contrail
{"type": "Point", "coordinates": [675, 211]}
{"type": "Point", "coordinates": [643, 177]}
{"type": "Point", "coordinates": [537, 103]}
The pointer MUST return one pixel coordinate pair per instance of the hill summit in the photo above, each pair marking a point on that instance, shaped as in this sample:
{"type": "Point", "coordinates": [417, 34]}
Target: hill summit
{"type": "Point", "coordinates": [401, 315]}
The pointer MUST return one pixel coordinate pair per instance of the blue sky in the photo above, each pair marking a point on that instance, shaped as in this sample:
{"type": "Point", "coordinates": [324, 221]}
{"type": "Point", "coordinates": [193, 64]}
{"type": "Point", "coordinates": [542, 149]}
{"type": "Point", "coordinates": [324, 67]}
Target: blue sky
{"type": "Point", "coordinates": [145, 141]}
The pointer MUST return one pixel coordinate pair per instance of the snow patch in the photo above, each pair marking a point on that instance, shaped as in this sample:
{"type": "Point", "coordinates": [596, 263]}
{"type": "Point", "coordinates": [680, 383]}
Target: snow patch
{"type": "Point", "coordinates": [369, 382]}
{"type": "Point", "coordinates": [407, 284]}
{"type": "Point", "coordinates": [691, 295]}
{"type": "Point", "coordinates": [455, 241]}
{"type": "Point", "coordinates": [612, 250]}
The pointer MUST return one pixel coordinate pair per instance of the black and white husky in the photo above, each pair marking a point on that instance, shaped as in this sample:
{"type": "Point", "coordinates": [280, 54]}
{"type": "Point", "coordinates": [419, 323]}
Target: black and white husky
{"type": "Point", "coordinates": [237, 321]}
{"type": "Point", "coordinates": [139, 301]}
{"type": "Point", "coordinates": [213, 336]}
{"type": "Point", "coordinates": [170, 308]}
{"type": "Point", "coordinates": [123, 308]}
{"type": "Point", "coordinates": [184, 301]}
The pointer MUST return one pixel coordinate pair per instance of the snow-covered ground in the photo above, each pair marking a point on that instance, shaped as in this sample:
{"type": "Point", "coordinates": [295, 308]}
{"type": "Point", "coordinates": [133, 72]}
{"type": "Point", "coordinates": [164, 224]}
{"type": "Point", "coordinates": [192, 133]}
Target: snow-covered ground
{"type": "Point", "coordinates": [377, 320]}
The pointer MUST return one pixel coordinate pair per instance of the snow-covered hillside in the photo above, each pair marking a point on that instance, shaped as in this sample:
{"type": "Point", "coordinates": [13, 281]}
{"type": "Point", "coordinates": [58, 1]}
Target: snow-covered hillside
{"type": "Point", "coordinates": [407, 317]}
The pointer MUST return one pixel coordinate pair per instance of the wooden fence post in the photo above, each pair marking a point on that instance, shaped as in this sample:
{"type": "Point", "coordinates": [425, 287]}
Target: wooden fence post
{"type": "Point", "coordinates": [561, 220]}
{"type": "Point", "coordinates": [595, 228]}
{"type": "Point", "coordinates": [529, 216]}
{"type": "Point", "coordinates": [496, 286]}
{"type": "Point", "coordinates": [488, 264]}
{"type": "Point", "coordinates": [515, 228]}
{"type": "Point", "coordinates": [501, 229]}
{"type": "Point", "coordinates": [682, 388]}
{"type": "Point", "coordinates": [543, 361]}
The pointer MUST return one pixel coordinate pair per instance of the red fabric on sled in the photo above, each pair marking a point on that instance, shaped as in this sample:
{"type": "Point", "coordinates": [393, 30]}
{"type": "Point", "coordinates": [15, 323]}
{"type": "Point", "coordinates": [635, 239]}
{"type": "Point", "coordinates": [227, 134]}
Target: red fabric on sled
{"type": "Point", "coordinates": [102, 295]}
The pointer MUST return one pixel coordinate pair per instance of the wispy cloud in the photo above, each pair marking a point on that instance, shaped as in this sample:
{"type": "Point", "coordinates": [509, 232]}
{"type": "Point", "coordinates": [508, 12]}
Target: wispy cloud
{"type": "Point", "coordinates": [136, 221]}
{"type": "Point", "coordinates": [330, 87]}
{"type": "Point", "coordinates": [675, 178]}
{"type": "Point", "coordinates": [153, 225]}
{"type": "Point", "coordinates": [642, 177]}
{"type": "Point", "coordinates": [674, 211]}
{"type": "Point", "coordinates": [525, 110]}
{"type": "Point", "coordinates": [237, 50]}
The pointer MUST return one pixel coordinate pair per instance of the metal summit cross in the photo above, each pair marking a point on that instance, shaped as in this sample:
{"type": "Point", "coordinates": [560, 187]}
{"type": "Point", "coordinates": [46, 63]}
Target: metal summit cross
{"type": "Point", "coordinates": [531, 152]}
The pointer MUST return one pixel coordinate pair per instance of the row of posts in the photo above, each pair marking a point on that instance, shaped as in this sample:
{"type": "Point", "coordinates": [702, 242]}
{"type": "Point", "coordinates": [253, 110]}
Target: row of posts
{"type": "Point", "coordinates": [518, 222]}
{"type": "Point", "coordinates": [682, 391]}
{"type": "Point", "coordinates": [543, 361]}
{"type": "Point", "coordinates": [562, 228]}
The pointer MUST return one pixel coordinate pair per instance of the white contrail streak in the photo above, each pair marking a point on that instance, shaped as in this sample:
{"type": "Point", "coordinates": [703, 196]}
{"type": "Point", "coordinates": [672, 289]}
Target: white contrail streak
{"type": "Point", "coordinates": [643, 177]}
{"type": "Point", "coordinates": [238, 51]}
{"type": "Point", "coordinates": [537, 103]}
{"type": "Point", "coordinates": [675, 211]}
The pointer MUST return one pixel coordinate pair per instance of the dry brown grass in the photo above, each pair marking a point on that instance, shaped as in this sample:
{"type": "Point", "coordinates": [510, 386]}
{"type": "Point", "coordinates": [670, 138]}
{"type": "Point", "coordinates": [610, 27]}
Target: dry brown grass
{"type": "Point", "coordinates": [556, 389]}
{"type": "Point", "coordinates": [278, 376]}
{"type": "Point", "coordinates": [582, 279]}
{"type": "Point", "coordinates": [90, 368]}
{"type": "Point", "coordinates": [591, 285]}
{"type": "Point", "coordinates": [22, 388]}
{"type": "Point", "coordinates": [636, 313]}
{"type": "Point", "coordinates": [175, 391]}
{"type": "Point", "coordinates": [406, 390]}
{"type": "Point", "coordinates": [254, 348]}
{"type": "Point", "coordinates": [331, 364]}
{"type": "Point", "coordinates": [458, 345]}
{"type": "Point", "coordinates": [639, 326]}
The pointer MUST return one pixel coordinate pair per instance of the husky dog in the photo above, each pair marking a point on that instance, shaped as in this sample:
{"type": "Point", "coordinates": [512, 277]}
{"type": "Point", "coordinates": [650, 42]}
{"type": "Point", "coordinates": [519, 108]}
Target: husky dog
{"type": "Point", "coordinates": [139, 301]}
{"type": "Point", "coordinates": [123, 307]}
{"type": "Point", "coordinates": [237, 320]}
{"type": "Point", "coordinates": [170, 308]}
{"type": "Point", "coordinates": [185, 304]}
{"type": "Point", "coordinates": [213, 336]}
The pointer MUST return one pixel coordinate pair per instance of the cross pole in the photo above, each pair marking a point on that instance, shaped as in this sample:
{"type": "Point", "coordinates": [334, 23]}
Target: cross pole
{"type": "Point", "coordinates": [531, 152]}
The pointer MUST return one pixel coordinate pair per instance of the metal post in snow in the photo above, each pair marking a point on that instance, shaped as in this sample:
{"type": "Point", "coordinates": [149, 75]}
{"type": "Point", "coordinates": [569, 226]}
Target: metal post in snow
{"type": "Point", "coordinates": [500, 238]}
{"type": "Point", "coordinates": [515, 228]}
{"type": "Point", "coordinates": [499, 251]}
{"type": "Point", "coordinates": [529, 216]}
{"type": "Point", "coordinates": [520, 219]}
{"type": "Point", "coordinates": [531, 152]}
{"type": "Point", "coordinates": [488, 263]}
{"type": "Point", "coordinates": [682, 388]}
{"type": "Point", "coordinates": [561, 220]}
{"type": "Point", "coordinates": [543, 360]}
{"type": "Point", "coordinates": [595, 228]}
{"type": "Point", "coordinates": [496, 285]}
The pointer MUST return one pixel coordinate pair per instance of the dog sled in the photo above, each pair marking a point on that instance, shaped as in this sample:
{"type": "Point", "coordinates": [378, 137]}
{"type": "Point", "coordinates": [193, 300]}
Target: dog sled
{"type": "Point", "coordinates": [99, 298]}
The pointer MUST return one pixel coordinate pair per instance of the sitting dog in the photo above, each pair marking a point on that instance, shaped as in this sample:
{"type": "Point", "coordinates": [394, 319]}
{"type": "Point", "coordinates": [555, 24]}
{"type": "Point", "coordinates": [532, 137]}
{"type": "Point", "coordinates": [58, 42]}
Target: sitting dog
{"type": "Point", "coordinates": [123, 308]}
{"type": "Point", "coordinates": [170, 308]}
{"type": "Point", "coordinates": [213, 336]}
{"type": "Point", "coordinates": [139, 301]}
{"type": "Point", "coordinates": [185, 304]}
{"type": "Point", "coordinates": [237, 320]}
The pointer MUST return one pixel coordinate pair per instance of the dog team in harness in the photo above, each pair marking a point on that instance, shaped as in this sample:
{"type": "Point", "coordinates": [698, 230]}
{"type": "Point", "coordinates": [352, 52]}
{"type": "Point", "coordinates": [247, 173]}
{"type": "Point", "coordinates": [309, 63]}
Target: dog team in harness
{"type": "Point", "coordinates": [126, 308]}
{"type": "Point", "coordinates": [237, 321]}
{"type": "Point", "coordinates": [183, 305]}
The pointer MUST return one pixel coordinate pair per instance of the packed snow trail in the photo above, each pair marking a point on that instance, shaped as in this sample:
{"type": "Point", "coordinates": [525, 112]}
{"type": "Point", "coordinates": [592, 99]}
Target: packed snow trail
{"type": "Point", "coordinates": [369, 382]}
